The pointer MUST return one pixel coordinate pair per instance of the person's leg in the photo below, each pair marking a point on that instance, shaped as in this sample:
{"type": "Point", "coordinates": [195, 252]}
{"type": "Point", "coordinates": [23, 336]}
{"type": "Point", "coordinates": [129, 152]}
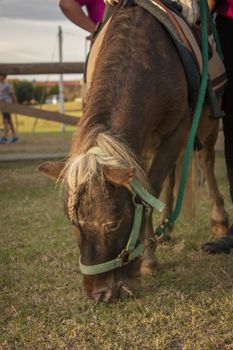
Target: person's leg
{"type": "Point", "coordinates": [225, 30]}
{"type": "Point", "coordinates": [5, 117]}
{"type": "Point", "coordinates": [228, 148]}
{"type": "Point", "coordinates": [6, 127]}
{"type": "Point", "coordinates": [12, 128]}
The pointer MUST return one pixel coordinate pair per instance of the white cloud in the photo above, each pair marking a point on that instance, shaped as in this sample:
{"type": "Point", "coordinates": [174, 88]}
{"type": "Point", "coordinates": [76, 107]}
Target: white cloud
{"type": "Point", "coordinates": [29, 33]}
{"type": "Point", "coordinates": [33, 9]}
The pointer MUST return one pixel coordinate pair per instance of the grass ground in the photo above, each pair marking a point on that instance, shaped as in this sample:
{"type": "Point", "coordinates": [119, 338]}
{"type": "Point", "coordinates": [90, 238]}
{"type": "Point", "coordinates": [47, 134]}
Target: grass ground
{"type": "Point", "coordinates": [41, 136]}
{"type": "Point", "coordinates": [188, 305]}
{"type": "Point", "coordinates": [43, 143]}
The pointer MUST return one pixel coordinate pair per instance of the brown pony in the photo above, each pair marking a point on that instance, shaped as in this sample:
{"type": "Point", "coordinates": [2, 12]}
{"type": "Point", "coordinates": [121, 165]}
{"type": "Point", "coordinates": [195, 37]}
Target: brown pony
{"type": "Point", "coordinates": [137, 107]}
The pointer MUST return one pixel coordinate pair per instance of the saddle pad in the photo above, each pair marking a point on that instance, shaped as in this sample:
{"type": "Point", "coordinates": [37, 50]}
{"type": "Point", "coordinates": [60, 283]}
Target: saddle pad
{"type": "Point", "coordinates": [168, 20]}
{"type": "Point", "coordinates": [216, 68]}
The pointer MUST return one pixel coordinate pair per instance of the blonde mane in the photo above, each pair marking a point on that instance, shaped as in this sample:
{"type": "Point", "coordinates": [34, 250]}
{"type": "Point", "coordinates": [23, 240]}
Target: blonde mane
{"type": "Point", "coordinates": [82, 169]}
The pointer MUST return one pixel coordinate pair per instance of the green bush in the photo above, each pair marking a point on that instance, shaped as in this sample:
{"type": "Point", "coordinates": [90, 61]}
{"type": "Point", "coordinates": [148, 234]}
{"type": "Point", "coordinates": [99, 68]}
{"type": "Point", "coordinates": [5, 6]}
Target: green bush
{"type": "Point", "coordinates": [54, 90]}
{"type": "Point", "coordinates": [40, 94]}
{"type": "Point", "coordinates": [24, 91]}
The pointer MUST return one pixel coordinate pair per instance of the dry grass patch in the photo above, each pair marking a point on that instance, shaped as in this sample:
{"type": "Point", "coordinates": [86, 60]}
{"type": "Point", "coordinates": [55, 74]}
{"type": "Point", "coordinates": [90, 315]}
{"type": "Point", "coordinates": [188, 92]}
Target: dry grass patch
{"type": "Point", "coordinates": [42, 143]}
{"type": "Point", "coordinates": [187, 305]}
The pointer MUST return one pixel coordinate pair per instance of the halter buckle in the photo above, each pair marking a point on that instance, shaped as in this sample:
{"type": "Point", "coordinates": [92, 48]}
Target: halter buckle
{"type": "Point", "coordinates": [136, 199]}
{"type": "Point", "coordinates": [124, 257]}
{"type": "Point", "coordinates": [148, 209]}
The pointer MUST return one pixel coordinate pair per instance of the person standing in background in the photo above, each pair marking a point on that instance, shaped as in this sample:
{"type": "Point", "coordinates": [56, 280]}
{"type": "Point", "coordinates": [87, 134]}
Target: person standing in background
{"type": "Point", "coordinates": [72, 9]}
{"type": "Point", "coordinates": [7, 95]}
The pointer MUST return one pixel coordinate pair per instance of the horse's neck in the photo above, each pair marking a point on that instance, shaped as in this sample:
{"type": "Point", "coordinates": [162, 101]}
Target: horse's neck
{"type": "Point", "coordinates": [128, 128]}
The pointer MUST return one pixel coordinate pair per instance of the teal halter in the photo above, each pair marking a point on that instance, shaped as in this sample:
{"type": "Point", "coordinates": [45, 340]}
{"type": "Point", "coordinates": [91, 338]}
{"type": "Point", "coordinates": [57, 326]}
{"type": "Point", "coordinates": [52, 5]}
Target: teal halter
{"type": "Point", "coordinates": [131, 251]}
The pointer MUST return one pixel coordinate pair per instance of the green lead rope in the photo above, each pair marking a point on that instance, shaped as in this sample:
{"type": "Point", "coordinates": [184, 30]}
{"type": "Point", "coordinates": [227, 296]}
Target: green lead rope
{"type": "Point", "coordinates": [205, 17]}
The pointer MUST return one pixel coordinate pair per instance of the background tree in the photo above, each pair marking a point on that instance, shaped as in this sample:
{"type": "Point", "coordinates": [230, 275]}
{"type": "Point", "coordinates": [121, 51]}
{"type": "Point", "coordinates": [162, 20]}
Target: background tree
{"type": "Point", "coordinates": [24, 91]}
{"type": "Point", "coordinates": [39, 94]}
{"type": "Point", "coordinates": [54, 90]}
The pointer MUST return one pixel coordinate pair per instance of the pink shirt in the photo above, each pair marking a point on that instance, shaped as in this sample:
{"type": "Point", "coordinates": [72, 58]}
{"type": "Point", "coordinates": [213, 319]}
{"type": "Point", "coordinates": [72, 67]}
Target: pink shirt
{"type": "Point", "coordinates": [225, 8]}
{"type": "Point", "coordinates": [95, 9]}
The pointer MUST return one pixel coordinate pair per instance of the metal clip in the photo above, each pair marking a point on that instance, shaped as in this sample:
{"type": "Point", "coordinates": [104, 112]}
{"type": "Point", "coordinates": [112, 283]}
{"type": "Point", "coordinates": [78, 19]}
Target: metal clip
{"type": "Point", "coordinates": [134, 199]}
{"type": "Point", "coordinates": [124, 257]}
{"type": "Point", "coordinates": [148, 209]}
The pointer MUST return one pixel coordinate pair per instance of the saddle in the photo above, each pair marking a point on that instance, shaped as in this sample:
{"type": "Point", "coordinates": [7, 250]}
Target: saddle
{"type": "Point", "coordinates": [191, 39]}
{"type": "Point", "coordinates": [186, 40]}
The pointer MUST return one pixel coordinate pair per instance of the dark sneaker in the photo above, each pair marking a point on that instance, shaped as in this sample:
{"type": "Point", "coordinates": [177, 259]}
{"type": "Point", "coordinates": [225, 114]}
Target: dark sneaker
{"type": "Point", "coordinates": [14, 140]}
{"type": "Point", "coordinates": [3, 140]}
{"type": "Point", "coordinates": [220, 245]}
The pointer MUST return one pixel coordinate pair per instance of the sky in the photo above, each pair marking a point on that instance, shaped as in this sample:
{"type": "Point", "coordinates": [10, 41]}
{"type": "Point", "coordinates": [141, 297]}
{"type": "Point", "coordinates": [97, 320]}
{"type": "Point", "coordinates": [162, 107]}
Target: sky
{"type": "Point", "coordinates": [28, 33]}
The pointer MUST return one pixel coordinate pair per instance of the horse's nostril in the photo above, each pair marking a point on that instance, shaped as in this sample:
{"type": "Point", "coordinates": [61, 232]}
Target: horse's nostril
{"type": "Point", "coordinates": [103, 294]}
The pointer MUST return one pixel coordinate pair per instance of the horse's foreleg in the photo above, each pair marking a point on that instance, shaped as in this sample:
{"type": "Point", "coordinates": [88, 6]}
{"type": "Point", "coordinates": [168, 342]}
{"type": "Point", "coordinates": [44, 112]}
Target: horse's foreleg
{"type": "Point", "coordinates": [219, 217]}
{"type": "Point", "coordinates": [162, 165]}
{"type": "Point", "coordinates": [167, 196]}
{"type": "Point", "coordinates": [166, 156]}
{"type": "Point", "coordinates": [148, 263]}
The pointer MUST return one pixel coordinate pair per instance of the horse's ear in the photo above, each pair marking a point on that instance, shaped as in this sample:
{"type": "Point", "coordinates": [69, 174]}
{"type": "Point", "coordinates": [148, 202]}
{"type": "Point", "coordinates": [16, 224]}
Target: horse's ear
{"type": "Point", "coordinates": [52, 169]}
{"type": "Point", "coordinates": [119, 176]}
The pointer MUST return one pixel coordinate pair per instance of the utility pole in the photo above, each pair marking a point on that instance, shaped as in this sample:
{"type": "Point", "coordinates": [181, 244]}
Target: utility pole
{"type": "Point", "coordinates": [61, 83]}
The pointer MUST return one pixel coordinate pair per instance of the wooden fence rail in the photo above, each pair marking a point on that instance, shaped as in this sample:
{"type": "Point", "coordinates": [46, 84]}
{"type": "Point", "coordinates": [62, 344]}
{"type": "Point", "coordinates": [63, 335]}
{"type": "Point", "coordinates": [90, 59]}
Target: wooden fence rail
{"type": "Point", "coordinates": [42, 68]}
{"type": "Point", "coordinates": [38, 113]}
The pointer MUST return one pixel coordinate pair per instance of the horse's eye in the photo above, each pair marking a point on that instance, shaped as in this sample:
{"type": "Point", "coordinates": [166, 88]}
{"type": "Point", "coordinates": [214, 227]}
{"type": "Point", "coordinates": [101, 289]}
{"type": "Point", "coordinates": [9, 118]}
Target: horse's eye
{"type": "Point", "coordinates": [112, 226]}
